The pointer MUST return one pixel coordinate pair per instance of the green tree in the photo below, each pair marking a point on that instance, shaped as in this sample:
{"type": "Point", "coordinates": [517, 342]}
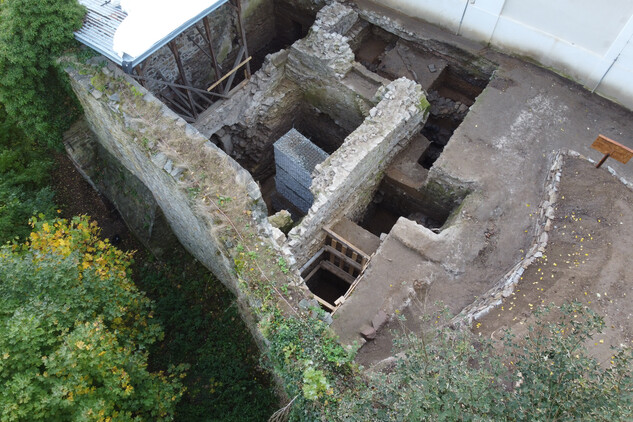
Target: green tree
{"type": "Point", "coordinates": [33, 34]}
{"type": "Point", "coordinates": [74, 331]}
{"type": "Point", "coordinates": [24, 177]}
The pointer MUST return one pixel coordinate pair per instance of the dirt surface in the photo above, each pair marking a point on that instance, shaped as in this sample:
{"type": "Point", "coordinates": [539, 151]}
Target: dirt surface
{"type": "Point", "coordinates": [75, 197]}
{"type": "Point", "coordinates": [587, 259]}
{"type": "Point", "coordinates": [503, 151]}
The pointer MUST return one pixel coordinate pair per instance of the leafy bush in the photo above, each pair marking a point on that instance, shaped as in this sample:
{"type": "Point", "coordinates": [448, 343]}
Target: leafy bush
{"type": "Point", "coordinates": [312, 364]}
{"type": "Point", "coordinates": [33, 34]}
{"type": "Point", "coordinates": [24, 176]}
{"type": "Point", "coordinates": [203, 329]}
{"type": "Point", "coordinates": [74, 331]}
{"type": "Point", "coordinates": [546, 376]}
{"type": "Point", "coordinates": [557, 379]}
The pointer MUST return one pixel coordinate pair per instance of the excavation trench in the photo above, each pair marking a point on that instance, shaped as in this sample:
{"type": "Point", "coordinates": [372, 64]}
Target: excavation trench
{"type": "Point", "coordinates": [452, 84]}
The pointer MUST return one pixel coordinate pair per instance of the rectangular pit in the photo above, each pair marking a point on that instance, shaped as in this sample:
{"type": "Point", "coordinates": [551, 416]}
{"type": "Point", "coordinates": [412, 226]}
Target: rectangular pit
{"type": "Point", "coordinates": [333, 270]}
{"type": "Point", "coordinates": [393, 200]}
{"type": "Point", "coordinates": [256, 153]}
{"type": "Point", "coordinates": [448, 76]}
{"type": "Point", "coordinates": [329, 277]}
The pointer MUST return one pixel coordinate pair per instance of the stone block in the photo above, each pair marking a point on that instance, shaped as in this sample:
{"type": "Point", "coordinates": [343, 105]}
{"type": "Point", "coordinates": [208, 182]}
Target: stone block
{"type": "Point", "coordinates": [368, 332]}
{"type": "Point", "coordinates": [281, 220]}
{"type": "Point", "coordinates": [379, 320]}
{"type": "Point", "coordinates": [295, 160]}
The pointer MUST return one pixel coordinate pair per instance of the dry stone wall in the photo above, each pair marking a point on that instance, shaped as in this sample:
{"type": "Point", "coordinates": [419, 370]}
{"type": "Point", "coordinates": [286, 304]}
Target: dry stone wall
{"type": "Point", "coordinates": [189, 178]}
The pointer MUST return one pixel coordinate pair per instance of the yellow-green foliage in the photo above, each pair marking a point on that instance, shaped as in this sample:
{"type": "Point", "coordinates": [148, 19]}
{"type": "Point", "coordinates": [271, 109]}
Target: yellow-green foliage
{"type": "Point", "coordinates": [74, 330]}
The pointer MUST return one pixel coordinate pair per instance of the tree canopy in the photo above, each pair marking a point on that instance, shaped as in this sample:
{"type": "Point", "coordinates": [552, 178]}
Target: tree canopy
{"type": "Point", "coordinates": [33, 34]}
{"type": "Point", "coordinates": [74, 331]}
{"type": "Point", "coordinates": [24, 177]}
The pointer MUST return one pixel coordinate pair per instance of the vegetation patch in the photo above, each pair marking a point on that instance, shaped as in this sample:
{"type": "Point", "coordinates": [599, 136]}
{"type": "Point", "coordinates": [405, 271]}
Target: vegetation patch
{"type": "Point", "coordinates": [203, 330]}
{"type": "Point", "coordinates": [74, 331]}
{"type": "Point", "coordinates": [25, 169]}
{"type": "Point", "coordinates": [33, 88]}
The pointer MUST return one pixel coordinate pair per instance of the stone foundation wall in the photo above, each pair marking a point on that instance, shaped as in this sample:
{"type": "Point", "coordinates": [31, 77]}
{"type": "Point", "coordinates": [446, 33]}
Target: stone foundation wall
{"type": "Point", "coordinates": [316, 75]}
{"type": "Point", "coordinates": [203, 194]}
{"type": "Point", "coordinates": [344, 184]}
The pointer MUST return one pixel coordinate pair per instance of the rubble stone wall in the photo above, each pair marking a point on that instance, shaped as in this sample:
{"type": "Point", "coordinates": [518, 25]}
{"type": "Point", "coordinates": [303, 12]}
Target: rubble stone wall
{"type": "Point", "coordinates": [343, 185]}
{"type": "Point", "coordinates": [184, 173]}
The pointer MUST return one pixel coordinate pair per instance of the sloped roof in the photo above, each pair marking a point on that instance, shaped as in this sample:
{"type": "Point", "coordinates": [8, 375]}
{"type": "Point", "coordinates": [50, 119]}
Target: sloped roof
{"type": "Point", "coordinates": [129, 38]}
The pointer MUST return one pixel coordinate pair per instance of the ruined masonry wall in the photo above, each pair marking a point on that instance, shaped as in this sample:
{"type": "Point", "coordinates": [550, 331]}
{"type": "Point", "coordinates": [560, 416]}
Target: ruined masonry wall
{"type": "Point", "coordinates": [126, 192]}
{"type": "Point", "coordinates": [343, 184]}
{"type": "Point", "coordinates": [176, 163]}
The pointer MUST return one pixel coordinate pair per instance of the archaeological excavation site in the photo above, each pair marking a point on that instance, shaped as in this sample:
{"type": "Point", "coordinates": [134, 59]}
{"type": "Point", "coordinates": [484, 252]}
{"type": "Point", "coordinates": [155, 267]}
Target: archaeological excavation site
{"type": "Point", "coordinates": [338, 161]}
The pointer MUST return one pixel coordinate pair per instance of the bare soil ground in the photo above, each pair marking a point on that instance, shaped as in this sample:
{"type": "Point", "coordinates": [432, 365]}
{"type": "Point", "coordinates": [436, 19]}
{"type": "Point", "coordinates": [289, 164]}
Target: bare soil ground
{"type": "Point", "coordinates": [75, 197]}
{"type": "Point", "coordinates": [588, 259]}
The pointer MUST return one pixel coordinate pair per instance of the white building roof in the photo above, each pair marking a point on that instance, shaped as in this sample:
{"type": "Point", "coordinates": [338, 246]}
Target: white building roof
{"type": "Point", "coordinates": [129, 31]}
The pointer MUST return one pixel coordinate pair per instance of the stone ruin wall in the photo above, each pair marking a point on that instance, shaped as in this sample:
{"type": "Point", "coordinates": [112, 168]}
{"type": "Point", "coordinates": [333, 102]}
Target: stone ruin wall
{"type": "Point", "coordinates": [320, 71]}
{"type": "Point", "coordinates": [175, 162]}
{"type": "Point", "coordinates": [166, 155]}
{"type": "Point", "coordinates": [123, 191]}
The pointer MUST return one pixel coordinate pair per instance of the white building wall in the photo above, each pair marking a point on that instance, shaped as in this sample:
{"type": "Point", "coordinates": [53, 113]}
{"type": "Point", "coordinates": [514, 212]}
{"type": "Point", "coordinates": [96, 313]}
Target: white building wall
{"type": "Point", "coordinates": [587, 40]}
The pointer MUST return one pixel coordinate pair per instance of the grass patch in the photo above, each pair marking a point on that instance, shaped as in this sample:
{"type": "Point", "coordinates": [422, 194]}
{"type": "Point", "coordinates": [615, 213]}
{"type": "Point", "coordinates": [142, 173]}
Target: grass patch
{"type": "Point", "coordinates": [203, 329]}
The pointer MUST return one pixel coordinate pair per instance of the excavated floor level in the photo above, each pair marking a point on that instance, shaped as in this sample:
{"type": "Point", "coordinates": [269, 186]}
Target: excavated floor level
{"type": "Point", "coordinates": [501, 155]}
{"type": "Point", "coordinates": [429, 207]}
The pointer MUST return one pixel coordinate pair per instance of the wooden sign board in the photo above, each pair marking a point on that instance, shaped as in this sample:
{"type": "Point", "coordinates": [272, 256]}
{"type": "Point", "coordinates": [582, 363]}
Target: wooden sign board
{"type": "Point", "coordinates": [612, 149]}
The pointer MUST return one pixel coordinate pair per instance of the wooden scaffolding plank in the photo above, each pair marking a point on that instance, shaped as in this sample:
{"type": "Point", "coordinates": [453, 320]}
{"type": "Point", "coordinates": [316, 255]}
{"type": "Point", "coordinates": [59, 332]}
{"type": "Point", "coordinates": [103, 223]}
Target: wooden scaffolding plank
{"type": "Point", "coordinates": [346, 242]}
{"type": "Point", "coordinates": [323, 302]}
{"type": "Point", "coordinates": [327, 265]}
{"type": "Point", "coordinates": [231, 72]}
{"type": "Point", "coordinates": [345, 258]}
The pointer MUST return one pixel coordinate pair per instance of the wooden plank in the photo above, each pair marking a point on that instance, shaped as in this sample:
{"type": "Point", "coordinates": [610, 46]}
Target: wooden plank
{"type": "Point", "coordinates": [327, 265]}
{"type": "Point", "coordinates": [174, 50]}
{"type": "Point", "coordinates": [229, 81]}
{"type": "Point", "coordinates": [344, 249]}
{"type": "Point", "coordinates": [238, 87]}
{"type": "Point", "coordinates": [240, 23]}
{"type": "Point", "coordinates": [323, 302]}
{"type": "Point", "coordinates": [207, 30]}
{"type": "Point", "coordinates": [343, 240]}
{"type": "Point", "coordinates": [184, 113]}
{"type": "Point", "coordinates": [331, 246]}
{"type": "Point", "coordinates": [613, 149]}
{"type": "Point", "coordinates": [311, 261]}
{"type": "Point", "coordinates": [348, 293]}
{"type": "Point", "coordinates": [347, 259]}
{"type": "Point", "coordinates": [312, 273]}
{"type": "Point", "coordinates": [192, 89]}
{"type": "Point", "coordinates": [232, 71]}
